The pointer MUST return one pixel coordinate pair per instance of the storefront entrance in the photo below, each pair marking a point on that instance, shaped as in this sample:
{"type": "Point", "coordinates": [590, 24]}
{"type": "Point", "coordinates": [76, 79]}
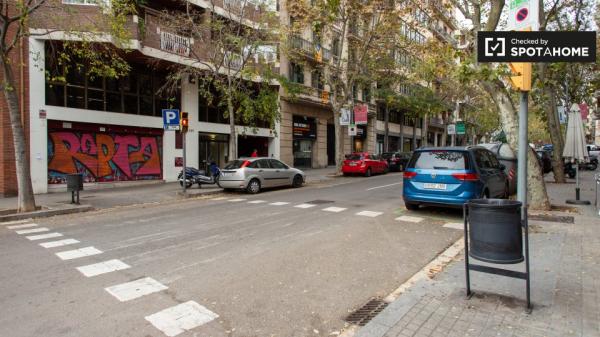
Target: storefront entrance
{"type": "Point", "coordinates": [213, 147]}
{"type": "Point", "coordinates": [304, 133]}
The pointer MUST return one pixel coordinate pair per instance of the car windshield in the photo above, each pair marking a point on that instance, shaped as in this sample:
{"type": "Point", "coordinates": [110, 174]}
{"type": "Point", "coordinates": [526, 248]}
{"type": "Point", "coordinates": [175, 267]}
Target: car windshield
{"type": "Point", "coordinates": [234, 164]}
{"type": "Point", "coordinates": [387, 155]}
{"type": "Point", "coordinates": [355, 156]}
{"type": "Point", "coordinates": [439, 160]}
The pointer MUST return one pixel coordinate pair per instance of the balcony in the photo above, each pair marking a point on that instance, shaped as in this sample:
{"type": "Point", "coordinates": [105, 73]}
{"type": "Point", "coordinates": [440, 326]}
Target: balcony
{"type": "Point", "coordinates": [444, 12]}
{"type": "Point", "coordinates": [436, 122]}
{"type": "Point", "coordinates": [442, 34]}
{"type": "Point", "coordinates": [233, 60]}
{"type": "Point", "coordinates": [312, 50]}
{"type": "Point", "coordinates": [175, 44]}
{"type": "Point", "coordinates": [157, 35]}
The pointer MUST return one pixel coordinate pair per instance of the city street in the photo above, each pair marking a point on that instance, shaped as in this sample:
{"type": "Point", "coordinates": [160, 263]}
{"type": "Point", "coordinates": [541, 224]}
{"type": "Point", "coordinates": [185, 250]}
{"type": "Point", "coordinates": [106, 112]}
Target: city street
{"type": "Point", "coordinates": [290, 262]}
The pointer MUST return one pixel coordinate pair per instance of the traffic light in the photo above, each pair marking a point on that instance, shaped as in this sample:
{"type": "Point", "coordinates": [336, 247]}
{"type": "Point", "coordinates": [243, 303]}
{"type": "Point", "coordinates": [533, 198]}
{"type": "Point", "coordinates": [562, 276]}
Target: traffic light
{"type": "Point", "coordinates": [184, 122]}
{"type": "Point", "coordinates": [522, 75]}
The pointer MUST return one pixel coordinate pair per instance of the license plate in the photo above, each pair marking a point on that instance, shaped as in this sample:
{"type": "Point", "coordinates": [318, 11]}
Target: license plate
{"type": "Point", "coordinates": [434, 186]}
{"type": "Point", "coordinates": [225, 174]}
{"type": "Point", "coordinates": [352, 164]}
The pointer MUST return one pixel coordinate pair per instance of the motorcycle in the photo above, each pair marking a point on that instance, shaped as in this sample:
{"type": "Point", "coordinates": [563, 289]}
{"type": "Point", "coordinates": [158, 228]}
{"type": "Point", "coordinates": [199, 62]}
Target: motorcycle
{"type": "Point", "coordinates": [591, 165]}
{"type": "Point", "coordinates": [569, 170]}
{"type": "Point", "coordinates": [195, 176]}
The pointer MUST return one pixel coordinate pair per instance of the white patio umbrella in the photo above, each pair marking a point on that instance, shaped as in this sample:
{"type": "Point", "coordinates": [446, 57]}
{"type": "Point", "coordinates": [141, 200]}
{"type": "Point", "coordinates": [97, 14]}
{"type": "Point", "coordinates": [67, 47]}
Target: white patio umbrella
{"type": "Point", "coordinates": [575, 149]}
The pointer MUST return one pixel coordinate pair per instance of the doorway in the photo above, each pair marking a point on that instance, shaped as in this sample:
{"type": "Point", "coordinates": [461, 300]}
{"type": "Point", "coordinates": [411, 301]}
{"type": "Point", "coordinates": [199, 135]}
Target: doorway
{"type": "Point", "coordinates": [213, 147]}
{"type": "Point", "coordinates": [330, 144]}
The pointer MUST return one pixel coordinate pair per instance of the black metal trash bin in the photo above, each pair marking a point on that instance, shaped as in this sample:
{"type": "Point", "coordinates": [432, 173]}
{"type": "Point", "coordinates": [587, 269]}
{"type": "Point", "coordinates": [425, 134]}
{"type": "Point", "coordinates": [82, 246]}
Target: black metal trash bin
{"type": "Point", "coordinates": [495, 233]}
{"type": "Point", "coordinates": [74, 185]}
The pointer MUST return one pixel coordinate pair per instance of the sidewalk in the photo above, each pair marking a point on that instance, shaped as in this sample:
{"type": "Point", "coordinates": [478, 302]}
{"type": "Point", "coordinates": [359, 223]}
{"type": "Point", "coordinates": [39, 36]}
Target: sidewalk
{"type": "Point", "coordinates": [565, 269]}
{"type": "Point", "coordinates": [141, 194]}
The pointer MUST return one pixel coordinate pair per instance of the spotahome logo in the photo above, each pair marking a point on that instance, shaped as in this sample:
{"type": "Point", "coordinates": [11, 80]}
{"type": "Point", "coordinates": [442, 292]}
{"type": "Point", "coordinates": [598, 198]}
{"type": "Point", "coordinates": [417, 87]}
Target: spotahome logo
{"type": "Point", "coordinates": [536, 47]}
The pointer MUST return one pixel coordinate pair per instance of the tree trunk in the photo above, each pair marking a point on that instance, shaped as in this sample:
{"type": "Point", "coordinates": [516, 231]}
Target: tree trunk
{"type": "Point", "coordinates": [25, 199]}
{"type": "Point", "coordinates": [536, 187]}
{"type": "Point", "coordinates": [401, 131]}
{"type": "Point", "coordinates": [553, 126]}
{"type": "Point", "coordinates": [424, 131]}
{"type": "Point", "coordinates": [233, 136]}
{"type": "Point", "coordinates": [339, 140]}
{"type": "Point", "coordinates": [414, 135]}
{"type": "Point", "coordinates": [386, 141]}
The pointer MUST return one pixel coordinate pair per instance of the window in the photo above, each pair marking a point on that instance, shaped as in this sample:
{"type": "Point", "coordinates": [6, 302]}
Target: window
{"type": "Point", "coordinates": [335, 46]}
{"type": "Point", "coordinates": [86, 2]}
{"type": "Point", "coordinates": [296, 73]}
{"type": "Point", "coordinates": [178, 140]}
{"type": "Point", "coordinates": [260, 164]}
{"type": "Point", "coordinates": [440, 160]}
{"type": "Point", "coordinates": [276, 164]}
{"type": "Point", "coordinates": [317, 79]}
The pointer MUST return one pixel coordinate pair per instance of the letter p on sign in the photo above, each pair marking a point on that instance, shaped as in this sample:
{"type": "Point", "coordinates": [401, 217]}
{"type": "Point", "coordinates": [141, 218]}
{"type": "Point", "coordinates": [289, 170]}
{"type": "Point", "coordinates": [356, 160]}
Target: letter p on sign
{"type": "Point", "coordinates": [171, 119]}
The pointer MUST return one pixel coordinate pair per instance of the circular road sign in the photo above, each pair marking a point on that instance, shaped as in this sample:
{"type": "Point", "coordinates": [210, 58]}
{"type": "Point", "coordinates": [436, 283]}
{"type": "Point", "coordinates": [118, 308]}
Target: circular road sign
{"type": "Point", "coordinates": [522, 14]}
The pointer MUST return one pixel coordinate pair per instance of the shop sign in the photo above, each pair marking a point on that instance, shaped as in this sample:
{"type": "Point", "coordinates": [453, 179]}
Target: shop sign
{"type": "Point", "coordinates": [352, 130]}
{"type": "Point", "coordinates": [361, 131]}
{"type": "Point", "coordinates": [304, 127]}
{"type": "Point", "coordinates": [344, 116]}
{"type": "Point", "coordinates": [360, 114]}
{"type": "Point", "coordinates": [451, 129]}
{"type": "Point", "coordinates": [460, 128]}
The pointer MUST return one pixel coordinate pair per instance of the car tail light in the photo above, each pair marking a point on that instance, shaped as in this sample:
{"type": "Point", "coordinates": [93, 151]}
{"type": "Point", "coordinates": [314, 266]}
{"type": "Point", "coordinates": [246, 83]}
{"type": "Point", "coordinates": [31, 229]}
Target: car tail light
{"type": "Point", "coordinates": [246, 163]}
{"type": "Point", "coordinates": [409, 174]}
{"type": "Point", "coordinates": [466, 176]}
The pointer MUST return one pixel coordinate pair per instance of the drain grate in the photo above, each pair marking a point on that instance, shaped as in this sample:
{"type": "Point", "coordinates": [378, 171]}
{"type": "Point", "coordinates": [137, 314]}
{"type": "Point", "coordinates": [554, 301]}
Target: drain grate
{"type": "Point", "coordinates": [320, 202]}
{"type": "Point", "coordinates": [552, 218]}
{"type": "Point", "coordinates": [367, 312]}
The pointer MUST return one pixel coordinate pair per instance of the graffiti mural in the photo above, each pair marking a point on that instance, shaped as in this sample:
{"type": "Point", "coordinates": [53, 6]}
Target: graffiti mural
{"type": "Point", "coordinates": [103, 157]}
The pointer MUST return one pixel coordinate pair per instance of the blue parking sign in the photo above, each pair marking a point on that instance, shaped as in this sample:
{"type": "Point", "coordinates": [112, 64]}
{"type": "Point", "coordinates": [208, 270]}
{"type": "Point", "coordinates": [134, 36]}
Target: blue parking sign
{"type": "Point", "coordinates": [170, 119]}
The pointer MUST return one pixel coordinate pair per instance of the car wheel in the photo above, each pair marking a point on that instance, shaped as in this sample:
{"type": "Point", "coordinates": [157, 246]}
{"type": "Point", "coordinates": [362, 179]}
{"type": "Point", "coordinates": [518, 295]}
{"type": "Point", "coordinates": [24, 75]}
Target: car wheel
{"type": "Point", "coordinates": [368, 173]}
{"type": "Point", "coordinates": [298, 181]}
{"type": "Point", "coordinates": [386, 170]}
{"type": "Point", "coordinates": [485, 194]}
{"type": "Point", "coordinates": [411, 207]}
{"type": "Point", "coordinates": [253, 186]}
{"type": "Point", "coordinates": [400, 168]}
{"type": "Point", "coordinates": [188, 184]}
{"type": "Point", "coordinates": [346, 174]}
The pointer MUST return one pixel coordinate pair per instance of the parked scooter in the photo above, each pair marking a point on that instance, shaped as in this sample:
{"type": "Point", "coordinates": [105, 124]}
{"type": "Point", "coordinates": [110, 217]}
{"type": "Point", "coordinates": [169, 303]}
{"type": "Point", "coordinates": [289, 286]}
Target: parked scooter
{"type": "Point", "coordinates": [591, 164]}
{"type": "Point", "coordinates": [195, 176]}
{"type": "Point", "coordinates": [570, 170]}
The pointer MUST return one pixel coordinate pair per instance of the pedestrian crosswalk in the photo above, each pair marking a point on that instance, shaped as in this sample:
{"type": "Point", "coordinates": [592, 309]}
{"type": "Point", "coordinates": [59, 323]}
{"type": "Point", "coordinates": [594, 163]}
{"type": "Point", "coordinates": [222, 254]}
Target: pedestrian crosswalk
{"type": "Point", "coordinates": [134, 289]}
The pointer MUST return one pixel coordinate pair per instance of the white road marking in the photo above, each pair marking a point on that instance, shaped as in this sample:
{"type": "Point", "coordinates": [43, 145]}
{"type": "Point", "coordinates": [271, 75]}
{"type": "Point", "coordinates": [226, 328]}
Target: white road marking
{"type": "Point", "coordinates": [180, 318]}
{"type": "Point", "coordinates": [370, 214]}
{"type": "Point", "coordinates": [407, 218]}
{"type": "Point", "coordinates": [334, 209]}
{"type": "Point", "coordinates": [103, 267]}
{"type": "Point", "coordinates": [59, 243]}
{"type": "Point", "coordinates": [219, 198]}
{"type": "Point", "coordinates": [279, 203]}
{"type": "Point", "coordinates": [77, 253]}
{"type": "Point", "coordinates": [256, 202]}
{"type": "Point", "coordinates": [14, 222]}
{"type": "Point", "coordinates": [383, 186]}
{"type": "Point", "coordinates": [236, 200]}
{"type": "Point", "coordinates": [134, 289]}
{"type": "Point", "coordinates": [305, 206]}
{"type": "Point", "coordinates": [44, 236]}
{"type": "Point", "coordinates": [29, 225]}
{"type": "Point", "coordinates": [455, 225]}
{"type": "Point", "coordinates": [33, 230]}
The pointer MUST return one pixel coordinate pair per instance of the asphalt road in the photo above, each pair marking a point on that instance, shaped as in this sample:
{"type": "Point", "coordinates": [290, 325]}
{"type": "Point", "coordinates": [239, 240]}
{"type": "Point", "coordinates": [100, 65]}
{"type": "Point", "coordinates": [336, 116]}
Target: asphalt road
{"type": "Point", "coordinates": [263, 265]}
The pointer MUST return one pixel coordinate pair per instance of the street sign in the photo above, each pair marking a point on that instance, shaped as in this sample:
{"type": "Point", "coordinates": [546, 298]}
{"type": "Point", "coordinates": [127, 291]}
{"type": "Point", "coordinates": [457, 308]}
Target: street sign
{"type": "Point", "coordinates": [523, 15]}
{"type": "Point", "coordinates": [344, 116]}
{"type": "Point", "coordinates": [170, 119]}
{"type": "Point", "coordinates": [451, 129]}
{"type": "Point", "coordinates": [352, 130]}
{"type": "Point", "coordinates": [460, 128]}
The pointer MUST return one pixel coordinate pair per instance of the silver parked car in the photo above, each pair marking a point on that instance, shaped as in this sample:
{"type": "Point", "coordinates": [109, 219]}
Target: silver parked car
{"type": "Point", "coordinates": [254, 174]}
{"type": "Point", "coordinates": [508, 158]}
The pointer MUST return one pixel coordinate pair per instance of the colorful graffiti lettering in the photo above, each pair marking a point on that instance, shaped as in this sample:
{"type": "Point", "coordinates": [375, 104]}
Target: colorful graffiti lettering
{"type": "Point", "coordinates": [103, 157]}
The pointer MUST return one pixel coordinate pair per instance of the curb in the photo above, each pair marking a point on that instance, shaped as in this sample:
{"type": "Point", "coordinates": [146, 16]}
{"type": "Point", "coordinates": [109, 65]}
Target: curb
{"type": "Point", "coordinates": [196, 195]}
{"type": "Point", "coordinates": [46, 213]}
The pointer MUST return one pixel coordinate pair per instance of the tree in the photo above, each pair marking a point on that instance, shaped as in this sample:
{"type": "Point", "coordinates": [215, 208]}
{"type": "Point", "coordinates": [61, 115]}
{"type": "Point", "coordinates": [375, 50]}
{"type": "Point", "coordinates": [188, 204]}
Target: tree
{"type": "Point", "coordinates": [16, 19]}
{"type": "Point", "coordinates": [231, 59]}
{"type": "Point", "coordinates": [362, 32]}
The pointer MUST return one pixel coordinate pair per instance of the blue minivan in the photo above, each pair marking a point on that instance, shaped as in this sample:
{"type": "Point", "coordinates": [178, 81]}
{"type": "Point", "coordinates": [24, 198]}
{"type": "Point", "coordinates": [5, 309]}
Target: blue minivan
{"type": "Point", "coordinates": [451, 176]}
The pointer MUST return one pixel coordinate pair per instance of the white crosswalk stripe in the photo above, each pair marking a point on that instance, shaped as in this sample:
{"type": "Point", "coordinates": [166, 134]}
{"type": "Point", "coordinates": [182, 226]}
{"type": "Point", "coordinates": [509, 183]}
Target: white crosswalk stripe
{"type": "Point", "coordinates": [44, 236]}
{"type": "Point", "coordinates": [236, 200]}
{"type": "Point", "coordinates": [256, 202]}
{"type": "Point", "coordinates": [14, 222]}
{"type": "Point", "coordinates": [33, 230]}
{"type": "Point", "coordinates": [29, 225]}
{"type": "Point", "coordinates": [407, 218]}
{"type": "Point", "coordinates": [77, 253]}
{"type": "Point", "coordinates": [219, 198]}
{"type": "Point", "coordinates": [279, 203]}
{"type": "Point", "coordinates": [180, 318]}
{"type": "Point", "coordinates": [134, 289]}
{"type": "Point", "coordinates": [305, 206]}
{"type": "Point", "coordinates": [455, 225]}
{"type": "Point", "coordinates": [103, 267]}
{"type": "Point", "coordinates": [369, 214]}
{"type": "Point", "coordinates": [59, 243]}
{"type": "Point", "coordinates": [334, 209]}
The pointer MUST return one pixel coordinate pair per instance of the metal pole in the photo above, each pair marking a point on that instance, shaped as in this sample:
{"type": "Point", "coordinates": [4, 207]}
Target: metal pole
{"type": "Point", "coordinates": [467, 274]}
{"type": "Point", "coordinates": [528, 277]}
{"type": "Point", "coordinates": [183, 136]}
{"type": "Point", "coordinates": [523, 150]}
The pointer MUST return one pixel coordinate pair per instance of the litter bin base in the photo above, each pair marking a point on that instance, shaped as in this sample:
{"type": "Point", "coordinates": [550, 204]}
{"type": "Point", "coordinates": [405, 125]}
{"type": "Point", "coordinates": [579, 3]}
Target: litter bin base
{"type": "Point", "coordinates": [578, 202]}
{"type": "Point", "coordinates": [521, 259]}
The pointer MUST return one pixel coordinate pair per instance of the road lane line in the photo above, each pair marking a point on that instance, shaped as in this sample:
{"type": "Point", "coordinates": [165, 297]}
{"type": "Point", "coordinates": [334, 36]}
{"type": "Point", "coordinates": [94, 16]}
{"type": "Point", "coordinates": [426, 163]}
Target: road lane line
{"type": "Point", "coordinates": [334, 209]}
{"type": "Point", "coordinates": [382, 186]}
{"type": "Point", "coordinates": [134, 289]}
{"type": "Point", "coordinates": [279, 203]}
{"type": "Point", "coordinates": [59, 243]}
{"type": "Point", "coordinates": [219, 198]}
{"type": "Point", "coordinates": [236, 200]}
{"type": "Point", "coordinates": [44, 236]}
{"type": "Point", "coordinates": [29, 225]}
{"type": "Point", "coordinates": [14, 222]}
{"type": "Point", "coordinates": [369, 214]}
{"type": "Point", "coordinates": [77, 253]}
{"type": "Point", "coordinates": [181, 318]}
{"type": "Point", "coordinates": [256, 202]}
{"type": "Point", "coordinates": [305, 206]}
{"type": "Point", "coordinates": [103, 267]}
{"type": "Point", "coordinates": [455, 225]}
{"type": "Point", "coordinates": [407, 218]}
{"type": "Point", "coordinates": [33, 230]}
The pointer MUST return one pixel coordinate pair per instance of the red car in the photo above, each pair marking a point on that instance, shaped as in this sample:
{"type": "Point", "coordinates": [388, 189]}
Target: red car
{"type": "Point", "coordinates": [364, 163]}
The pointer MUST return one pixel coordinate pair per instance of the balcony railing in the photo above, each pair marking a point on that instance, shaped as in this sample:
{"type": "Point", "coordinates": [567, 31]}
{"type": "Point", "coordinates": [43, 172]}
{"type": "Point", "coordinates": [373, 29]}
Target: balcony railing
{"type": "Point", "coordinates": [436, 122]}
{"type": "Point", "coordinates": [311, 49]}
{"type": "Point", "coordinates": [175, 44]}
{"type": "Point", "coordinates": [233, 60]}
{"type": "Point", "coordinates": [154, 34]}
